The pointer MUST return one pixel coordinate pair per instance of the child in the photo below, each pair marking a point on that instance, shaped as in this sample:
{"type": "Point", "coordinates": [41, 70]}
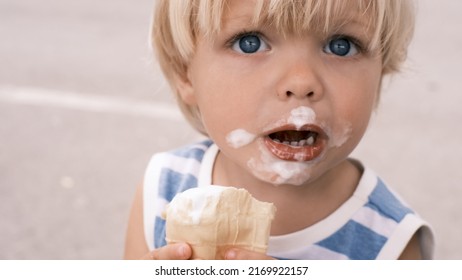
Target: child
{"type": "Point", "coordinates": [284, 91]}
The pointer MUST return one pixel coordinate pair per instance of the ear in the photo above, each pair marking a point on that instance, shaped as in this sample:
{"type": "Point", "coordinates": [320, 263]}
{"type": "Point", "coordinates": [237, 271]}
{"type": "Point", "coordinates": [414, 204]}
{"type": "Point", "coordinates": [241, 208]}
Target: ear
{"type": "Point", "coordinates": [185, 89]}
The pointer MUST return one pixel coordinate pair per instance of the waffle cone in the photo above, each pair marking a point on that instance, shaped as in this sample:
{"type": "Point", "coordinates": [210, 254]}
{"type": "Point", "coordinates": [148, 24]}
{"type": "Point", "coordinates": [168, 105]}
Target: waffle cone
{"type": "Point", "coordinates": [214, 218]}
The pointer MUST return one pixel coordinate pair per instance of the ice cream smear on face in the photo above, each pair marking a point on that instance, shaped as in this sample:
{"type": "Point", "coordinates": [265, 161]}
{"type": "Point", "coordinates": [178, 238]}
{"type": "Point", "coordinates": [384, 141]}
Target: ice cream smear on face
{"type": "Point", "coordinates": [239, 138]}
{"type": "Point", "coordinates": [275, 171]}
{"type": "Point", "coordinates": [301, 116]}
{"type": "Point", "coordinates": [298, 142]}
{"type": "Point", "coordinates": [298, 117]}
{"type": "Point", "coordinates": [288, 157]}
{"type": "Point", "coordinates": [340, 136]}
{"type": "Point", "coordinates": [296, 137]}
{"type": "Point", "coordinates": [211, 218]}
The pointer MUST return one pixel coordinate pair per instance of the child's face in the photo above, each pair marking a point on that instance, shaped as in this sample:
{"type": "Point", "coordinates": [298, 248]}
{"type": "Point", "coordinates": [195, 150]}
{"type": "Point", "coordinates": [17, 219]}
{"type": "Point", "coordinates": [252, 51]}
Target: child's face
{"type": "Point", "coordinates": [285, 109]}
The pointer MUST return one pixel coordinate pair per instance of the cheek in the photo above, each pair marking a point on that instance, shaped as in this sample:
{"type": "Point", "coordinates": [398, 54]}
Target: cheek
{"type": "Point", "coordinates": [360, 92]}
{"type": "Point", "coordinates": [354, 107]}
{"type": "Point", "coordinates": [226, 105]}
{"type": "Point", "coordinates": [222, 115]}
{"type": "Point", "coordinates": [355, 119]}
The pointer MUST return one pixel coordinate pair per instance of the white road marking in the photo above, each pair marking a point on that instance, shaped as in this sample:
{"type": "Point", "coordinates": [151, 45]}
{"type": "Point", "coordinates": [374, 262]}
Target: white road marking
{"type": "Point", "coordinates": [92, 103]}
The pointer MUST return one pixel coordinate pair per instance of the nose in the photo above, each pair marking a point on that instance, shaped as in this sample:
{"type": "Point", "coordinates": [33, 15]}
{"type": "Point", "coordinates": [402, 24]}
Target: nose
{"type": "Point", "coordinates": [300, 79]}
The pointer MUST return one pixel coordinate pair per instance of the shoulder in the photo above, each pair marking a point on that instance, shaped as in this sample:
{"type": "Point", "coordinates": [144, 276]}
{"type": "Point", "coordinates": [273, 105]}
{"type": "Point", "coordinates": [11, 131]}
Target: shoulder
{"type": "Point", "coordinates": [387, 214]}
{"type": "Point", "coordinates": [386, 202]}
{"type": "Point", "coordinates": [383, 225]}
{"type": "Point", "coordinates": [174, 157]}
{"type": "Point", "coordinates": [374, 223]}
{"type": "Point", "coordinates": [167, 174]}
{"type": "Point", "coordinates": [194, 151]}
{"type": "Point", "coordinates": [169, 168]}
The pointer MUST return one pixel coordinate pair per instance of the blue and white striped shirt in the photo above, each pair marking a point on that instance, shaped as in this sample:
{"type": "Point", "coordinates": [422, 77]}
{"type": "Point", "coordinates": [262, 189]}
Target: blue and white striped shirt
{"type": "Point", "coordinates": [372, 224]}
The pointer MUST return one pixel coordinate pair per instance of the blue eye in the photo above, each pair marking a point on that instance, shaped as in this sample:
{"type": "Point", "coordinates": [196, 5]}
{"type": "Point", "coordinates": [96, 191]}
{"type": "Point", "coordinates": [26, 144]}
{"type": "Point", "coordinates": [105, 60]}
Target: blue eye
{"type": "Point", "coordinates": [341, 47]}
{"type": "Point", "coordinates": [249, 44]}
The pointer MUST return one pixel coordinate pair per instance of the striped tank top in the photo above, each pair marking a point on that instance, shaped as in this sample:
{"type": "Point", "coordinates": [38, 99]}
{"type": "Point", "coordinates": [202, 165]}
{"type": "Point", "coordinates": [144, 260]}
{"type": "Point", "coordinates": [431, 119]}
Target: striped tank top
{"type": "Point", "coordinates": [374, 223]}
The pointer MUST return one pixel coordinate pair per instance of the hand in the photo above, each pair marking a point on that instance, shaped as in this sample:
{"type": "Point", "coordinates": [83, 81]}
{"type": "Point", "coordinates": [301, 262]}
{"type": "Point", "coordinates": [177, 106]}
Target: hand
{"type": "Point", "coordinates": [178, 251]}
{"type": "Point", "coordinates": [242, 254]}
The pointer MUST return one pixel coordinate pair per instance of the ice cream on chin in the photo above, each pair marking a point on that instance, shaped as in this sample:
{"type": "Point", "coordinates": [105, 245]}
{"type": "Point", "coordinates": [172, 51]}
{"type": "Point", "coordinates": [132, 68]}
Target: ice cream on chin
{"type": "Point", "coordinates": [213, 218]}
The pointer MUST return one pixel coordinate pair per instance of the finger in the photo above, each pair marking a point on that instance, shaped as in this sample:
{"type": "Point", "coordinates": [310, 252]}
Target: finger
{"type": "Point", "coordinates": [241, 254]}
{"type": "Point", "coordinates": [179, 251]}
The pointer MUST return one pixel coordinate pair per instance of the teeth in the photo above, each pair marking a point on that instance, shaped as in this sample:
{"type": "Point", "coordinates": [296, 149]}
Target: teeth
{"type": "Point", "coordinates": [306, 142]}
{"type": "Point", "coordinates": [310, 140]}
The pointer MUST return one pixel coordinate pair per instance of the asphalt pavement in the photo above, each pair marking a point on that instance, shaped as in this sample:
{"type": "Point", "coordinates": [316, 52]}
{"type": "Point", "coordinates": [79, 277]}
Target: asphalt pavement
{"type": "Point", "coordinates": [83, 108]}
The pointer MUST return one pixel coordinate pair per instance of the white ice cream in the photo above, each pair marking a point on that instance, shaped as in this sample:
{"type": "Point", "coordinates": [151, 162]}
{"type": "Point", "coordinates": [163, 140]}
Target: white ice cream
{"type": "Point", "coordinates": [277, 171]}
{"type": "Point", "coordinates": [269, 168]}
{"type": "Point", "coordinates": [301, 116]}
{"type": "Point", "coordinates": [197, 199]}
{"type": "Point", "coordinates": [339, 137]}
{"type": "Point", "coordinates": [239, 138]}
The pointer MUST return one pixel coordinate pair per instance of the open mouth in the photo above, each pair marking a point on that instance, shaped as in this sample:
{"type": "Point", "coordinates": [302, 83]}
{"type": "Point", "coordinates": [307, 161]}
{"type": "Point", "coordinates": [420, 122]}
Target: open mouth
{"type": "Point", "coordinates": [296, 145]}
{"type": "Point", "coordinates": [294, 138]}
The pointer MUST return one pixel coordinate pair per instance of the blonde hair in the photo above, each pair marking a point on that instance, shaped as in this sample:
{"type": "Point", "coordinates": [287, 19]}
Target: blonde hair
{"type": "Point", "coordinates": [177, 23]}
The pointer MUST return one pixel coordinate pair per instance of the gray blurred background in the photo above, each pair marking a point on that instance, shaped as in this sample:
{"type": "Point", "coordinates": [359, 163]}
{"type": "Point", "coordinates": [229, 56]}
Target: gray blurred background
{"type": "Point", "coordinates": [82, 109]}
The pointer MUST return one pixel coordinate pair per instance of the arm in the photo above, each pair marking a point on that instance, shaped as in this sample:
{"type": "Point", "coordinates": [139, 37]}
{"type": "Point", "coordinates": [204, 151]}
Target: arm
{"type": "Point", "coordinates": [135, 244]}
{"type": "Point", "coordinates": [412, 250]}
